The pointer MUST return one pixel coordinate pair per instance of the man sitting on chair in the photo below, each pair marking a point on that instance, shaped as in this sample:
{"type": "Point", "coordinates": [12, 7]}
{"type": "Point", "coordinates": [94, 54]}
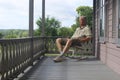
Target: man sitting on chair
{"type": "Point", "coordinates": [82, 34]}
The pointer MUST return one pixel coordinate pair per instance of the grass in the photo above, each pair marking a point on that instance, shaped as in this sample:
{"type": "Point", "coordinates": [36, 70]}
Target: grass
{"type": "Point", "coordinates": [55, 54]}
{"type": "Point", "coordinates": [51, 54]}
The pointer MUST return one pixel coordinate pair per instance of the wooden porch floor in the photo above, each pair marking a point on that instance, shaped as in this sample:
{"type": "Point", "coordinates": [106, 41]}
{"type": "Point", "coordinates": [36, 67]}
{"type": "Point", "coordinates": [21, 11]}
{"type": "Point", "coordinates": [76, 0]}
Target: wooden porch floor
{"type": "Point", "coordinates": [71, 70]}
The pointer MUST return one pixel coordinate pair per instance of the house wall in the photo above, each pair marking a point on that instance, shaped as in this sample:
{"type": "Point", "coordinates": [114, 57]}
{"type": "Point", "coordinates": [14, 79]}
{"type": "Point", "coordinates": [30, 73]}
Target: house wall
{"type": "Point", "coordinates": [109, 52]}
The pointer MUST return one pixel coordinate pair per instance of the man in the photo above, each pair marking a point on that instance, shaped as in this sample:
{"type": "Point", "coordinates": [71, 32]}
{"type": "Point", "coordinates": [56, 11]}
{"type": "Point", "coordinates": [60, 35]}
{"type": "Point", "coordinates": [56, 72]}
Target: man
{"type": "Point", "coordinates": [81, 34]}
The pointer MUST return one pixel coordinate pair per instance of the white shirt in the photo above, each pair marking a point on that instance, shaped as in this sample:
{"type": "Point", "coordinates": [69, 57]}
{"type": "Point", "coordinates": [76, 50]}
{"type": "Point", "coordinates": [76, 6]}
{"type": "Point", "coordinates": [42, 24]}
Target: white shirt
{"type": "Point", "coordinates": [85, 31]}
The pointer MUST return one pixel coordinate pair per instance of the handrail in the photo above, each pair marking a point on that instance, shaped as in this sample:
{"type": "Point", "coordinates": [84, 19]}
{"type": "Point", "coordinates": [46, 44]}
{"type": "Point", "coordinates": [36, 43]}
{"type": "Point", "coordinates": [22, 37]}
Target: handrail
{"type": "Point", "coordinates": [16, 56]}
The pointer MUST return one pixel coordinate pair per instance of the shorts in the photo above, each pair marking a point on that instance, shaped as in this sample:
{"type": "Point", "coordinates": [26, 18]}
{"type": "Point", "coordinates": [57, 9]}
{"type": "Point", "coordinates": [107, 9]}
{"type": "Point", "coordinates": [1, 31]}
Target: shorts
{"type": "Point", "coordinates": [75, 42]}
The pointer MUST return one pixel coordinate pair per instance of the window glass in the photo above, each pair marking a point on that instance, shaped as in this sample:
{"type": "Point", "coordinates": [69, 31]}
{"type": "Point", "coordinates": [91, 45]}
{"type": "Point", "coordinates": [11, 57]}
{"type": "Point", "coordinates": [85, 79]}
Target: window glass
{"type": "Point", "coordinates": [119, 21]}
{"type": "Point", "coordinates": [119, 28]}
{"type": "Point", "coordinates": [102, 19]}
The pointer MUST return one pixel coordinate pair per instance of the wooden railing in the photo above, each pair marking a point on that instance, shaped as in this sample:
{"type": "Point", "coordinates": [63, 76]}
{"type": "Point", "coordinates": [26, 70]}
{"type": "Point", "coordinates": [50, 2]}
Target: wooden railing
{"type": "Point", "coordinates": [18, 54]}
{"type": "Point", "coordinates": [51, 45]}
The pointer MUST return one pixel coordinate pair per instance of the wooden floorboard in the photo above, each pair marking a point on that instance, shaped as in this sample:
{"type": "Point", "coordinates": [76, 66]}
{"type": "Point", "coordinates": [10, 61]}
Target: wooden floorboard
{"type": "Point", "coordinates": [71, 69]}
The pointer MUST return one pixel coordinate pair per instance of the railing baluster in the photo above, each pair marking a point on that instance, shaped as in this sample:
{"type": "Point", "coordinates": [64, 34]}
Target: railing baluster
{"type": "Point", "coordinates": [17, 54]}
{"type": "Point", "coordinates": [2, 62]}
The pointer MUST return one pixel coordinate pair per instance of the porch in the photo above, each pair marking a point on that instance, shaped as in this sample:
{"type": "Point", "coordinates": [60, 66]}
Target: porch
{"type": "Point", "coordinates": [70, 69]}
{"type": "Point", "coordinates": [26, 59]}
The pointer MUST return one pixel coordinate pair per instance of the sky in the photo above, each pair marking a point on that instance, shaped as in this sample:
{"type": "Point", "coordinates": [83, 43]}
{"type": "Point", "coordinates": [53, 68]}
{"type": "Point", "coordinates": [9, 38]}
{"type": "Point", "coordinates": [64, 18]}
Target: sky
{"type": "Point", "coordinates": [14, 14]}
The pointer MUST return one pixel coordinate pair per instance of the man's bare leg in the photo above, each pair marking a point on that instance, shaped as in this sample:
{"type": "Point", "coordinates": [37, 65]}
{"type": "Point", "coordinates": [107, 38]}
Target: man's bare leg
{"type": "Point", "coordinates": [67, 46]}
{"type": "Point", "coordinates": [59, 46]}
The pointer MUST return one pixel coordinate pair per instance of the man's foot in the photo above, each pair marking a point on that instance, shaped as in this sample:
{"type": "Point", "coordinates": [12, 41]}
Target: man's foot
{"type": "Point", "coordinates": [58, 59]}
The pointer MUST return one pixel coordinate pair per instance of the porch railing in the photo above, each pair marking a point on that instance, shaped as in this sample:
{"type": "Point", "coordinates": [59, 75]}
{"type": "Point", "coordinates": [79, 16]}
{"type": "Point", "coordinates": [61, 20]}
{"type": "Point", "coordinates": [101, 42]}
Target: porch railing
{"type": "Point", "coordinates": [18, 54]}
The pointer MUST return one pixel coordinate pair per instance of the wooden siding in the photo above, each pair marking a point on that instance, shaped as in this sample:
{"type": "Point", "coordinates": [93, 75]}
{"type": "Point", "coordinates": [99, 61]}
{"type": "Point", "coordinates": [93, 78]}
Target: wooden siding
{"type": "Point", "coordinates": [113, 57]}
{"type": "Point", "coordinates": [109, 52]}
{"type": "Point", "coordinates": [103, 53]}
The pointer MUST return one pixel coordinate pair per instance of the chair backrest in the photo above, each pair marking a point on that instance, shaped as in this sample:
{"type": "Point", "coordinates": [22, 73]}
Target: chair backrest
{"type": "Point", "coordinates": [86, 47]}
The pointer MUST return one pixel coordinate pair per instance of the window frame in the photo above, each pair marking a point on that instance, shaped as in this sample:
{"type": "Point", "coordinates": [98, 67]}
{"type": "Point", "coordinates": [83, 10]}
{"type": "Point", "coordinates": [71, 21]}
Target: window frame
{"type": "Point", "coordinates": [114, 21]}
{"type": "Point", "coordinates": [118, 27]}
{"type": "Point", "coordinates": [102, 16]}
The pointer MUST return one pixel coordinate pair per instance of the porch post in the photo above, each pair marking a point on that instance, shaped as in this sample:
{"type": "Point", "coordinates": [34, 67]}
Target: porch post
{"type": "Point", "coordinates": [95, 43]}
{"type": "Point", "coordinates": [93, 29]}
{"type": "Point", "coordinates": [31, 12]}
{"type": "Point", "coordinates": [43, 18]}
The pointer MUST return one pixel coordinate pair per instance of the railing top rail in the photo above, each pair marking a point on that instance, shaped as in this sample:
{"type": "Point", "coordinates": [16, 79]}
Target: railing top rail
{"type": "Point", "coordinates": [13, 39]}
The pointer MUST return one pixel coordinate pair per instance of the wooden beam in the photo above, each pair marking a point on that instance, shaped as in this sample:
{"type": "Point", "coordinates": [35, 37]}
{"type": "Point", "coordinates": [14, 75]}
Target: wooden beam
{"type": "Point", "coordinates": [43, 18]}
{"type": "Point", "coordinates": [31, 13]}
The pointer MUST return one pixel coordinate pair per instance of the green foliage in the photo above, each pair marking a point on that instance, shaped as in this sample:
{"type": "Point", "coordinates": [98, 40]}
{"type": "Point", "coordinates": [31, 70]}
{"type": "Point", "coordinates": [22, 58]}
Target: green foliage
{"type": "Point", "coordinates": [51, 26]}
{"type": "Point", "coordinates": [14, 33]}
{"type": "Point", "coordinates": [10, 36]}
{"type": "Point", "coordinates": [76, 25]}
{"type": "Point", "coordinates": [23, 34]}
{"type": "Point", "coordinates": [1, 35]}
{"type": "Point", "coordinates": [86, 11]}
{"type": "Point", "coordinates": [37, 32]}
{"type": "Point", "coordinates": [65, 31]}
{"type": "Point", "coordinates": [83, 11]}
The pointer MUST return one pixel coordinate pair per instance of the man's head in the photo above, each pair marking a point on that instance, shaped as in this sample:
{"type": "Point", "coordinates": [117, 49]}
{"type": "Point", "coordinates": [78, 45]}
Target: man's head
{"type": "Point", "coordinates": [82, 20]}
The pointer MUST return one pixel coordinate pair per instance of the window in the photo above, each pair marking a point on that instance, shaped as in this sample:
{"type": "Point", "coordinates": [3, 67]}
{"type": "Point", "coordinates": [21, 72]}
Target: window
{"type": "Point", "coordinates": [97, 4]}
{"type": "Point", "coordinates": [102, 21]}
{"type": "Point", "coordinates": [116, 21]}
{"type": "Point", "coordinates": [118, 37]}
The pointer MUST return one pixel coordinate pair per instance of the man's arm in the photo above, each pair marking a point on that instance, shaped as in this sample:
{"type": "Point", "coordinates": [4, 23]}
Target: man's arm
{"type": "Point", "coordinates": [84, 39]}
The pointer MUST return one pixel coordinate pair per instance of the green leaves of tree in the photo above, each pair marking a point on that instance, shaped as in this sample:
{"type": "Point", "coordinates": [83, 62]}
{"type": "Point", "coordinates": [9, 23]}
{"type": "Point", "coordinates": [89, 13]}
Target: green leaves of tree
{"type": "Point", "coordinates": [51, 25]}
{"type": "Point", "coordinates": [86, 11]}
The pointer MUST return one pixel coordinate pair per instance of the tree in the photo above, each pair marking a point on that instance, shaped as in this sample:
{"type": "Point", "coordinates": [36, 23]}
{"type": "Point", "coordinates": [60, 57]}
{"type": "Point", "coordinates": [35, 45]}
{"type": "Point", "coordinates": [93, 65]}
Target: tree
{"type": "Point", "coordinates": [76, 25]}
{"type": "Point", "coordinates": [23, 34]}
{"type": "Point", "coordinates": [11, 35]}
{"type": "Point", "coordinates": [83, 11]}
{"type": "Point", "coordinates": [51, 26]}
{"type": "Point", "coordinates": [73, 27]}
{"type": "Point", "coordinates": [86, 11]}
{"type": "Point", "coordinates": [65, 31]}
{"type": "Point", "coordinates": [1, 35]}
{"type": "Point", "coordinates": [37, 32]}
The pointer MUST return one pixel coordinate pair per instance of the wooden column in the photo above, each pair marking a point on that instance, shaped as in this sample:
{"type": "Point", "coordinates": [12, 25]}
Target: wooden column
{"type": "Point", "coordinates": [31, 13]}
{"type": "Point", "coordinates": [93, 29]}
{"type": "Point", "coordinates": [43, 18]}
{"type": "Point", "coordinates": [31, 23]}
